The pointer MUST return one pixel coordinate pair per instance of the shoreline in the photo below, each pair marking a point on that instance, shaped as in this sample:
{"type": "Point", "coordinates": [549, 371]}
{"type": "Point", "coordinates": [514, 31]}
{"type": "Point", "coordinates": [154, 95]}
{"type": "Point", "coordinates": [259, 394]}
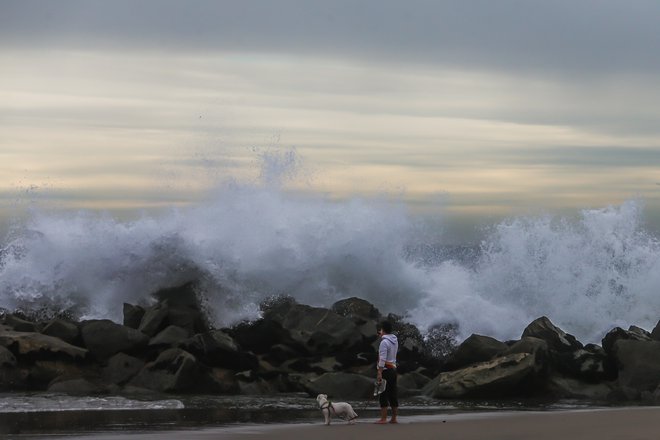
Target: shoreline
{"type": "Point", "coordinates": [639, 423]}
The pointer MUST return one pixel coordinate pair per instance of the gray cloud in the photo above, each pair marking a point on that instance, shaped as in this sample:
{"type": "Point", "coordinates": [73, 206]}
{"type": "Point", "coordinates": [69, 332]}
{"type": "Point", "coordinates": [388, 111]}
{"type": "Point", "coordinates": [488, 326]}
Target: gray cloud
{"type": "Point", "coordinates": [558, 36]}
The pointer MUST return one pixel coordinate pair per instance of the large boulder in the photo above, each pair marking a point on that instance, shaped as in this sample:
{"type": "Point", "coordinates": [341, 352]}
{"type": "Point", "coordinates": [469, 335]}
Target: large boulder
{"type": "Point", "coordinates": [639, 364]}
{"type": "Point", "coordinates": [105, 338]}
{"type": "Point", "coordinates": [509, 375]}
{"type": "Point", "coordinates": [121, 368]}
{"type": "Point", "coordinates": [75, 386]}
{"type": "Point", "coordinates": [590, 364]}
{"type": "Point", "coordinates": [618, 334]}
{"type": "Point", "coordinates": [19, 324]}
{"type": "Point", "coordinates": [64, 330]}
{"type": "Point", "coordinates": [357, 309]}
{"type": "Point", "coordinates": [319, 330]}
{"type": "Point", "coordinates": [528, 344]}
{"type": "Point", "coordinates": [216, 348]}
{"type": "Point", "coordinates": [172, 336]}
{"type": "Point", "coordinates": [7, 358]}
{"type": "Point", "coordinates": [183, 307]}
{"type": "Point", "coordinates": [557, 339]}
{"type": "Point", "coordinates": [174, 370]}
{"type": "Point", "coordinates": [133, 315]}
{"type": "Point", "coordinates": [476, 348]}
{"type": "Point", "coordinates": [38, 346]}
{"type": "Point", "coordinates": [262, 335]}
{"type": "Point", "coordinates": [562, 387]}
{"type": "Point", "coordinates": [342, 385]}
{"type": "Point", "coordinates": [154, 319]}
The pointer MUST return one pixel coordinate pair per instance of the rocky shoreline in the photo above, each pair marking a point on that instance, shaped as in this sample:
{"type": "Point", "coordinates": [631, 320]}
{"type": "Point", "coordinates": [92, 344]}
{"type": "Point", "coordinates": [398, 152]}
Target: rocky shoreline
{"type": "Point", "coordinates": [169, 347]}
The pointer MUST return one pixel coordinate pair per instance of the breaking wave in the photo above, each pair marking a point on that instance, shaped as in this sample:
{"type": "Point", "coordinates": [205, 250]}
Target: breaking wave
{"type": "Point", "coordinates": [247, 242]}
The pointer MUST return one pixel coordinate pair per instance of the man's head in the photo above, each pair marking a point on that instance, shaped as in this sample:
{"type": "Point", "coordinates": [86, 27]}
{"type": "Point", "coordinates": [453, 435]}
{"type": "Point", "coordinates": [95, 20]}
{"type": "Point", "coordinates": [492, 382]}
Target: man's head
{"type": "Point", "coordinates": [385, 327]}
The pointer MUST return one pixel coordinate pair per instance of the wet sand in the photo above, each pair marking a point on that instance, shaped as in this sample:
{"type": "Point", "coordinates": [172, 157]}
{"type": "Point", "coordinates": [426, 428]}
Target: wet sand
{"type": "Point", "coordinates": [599, 424]}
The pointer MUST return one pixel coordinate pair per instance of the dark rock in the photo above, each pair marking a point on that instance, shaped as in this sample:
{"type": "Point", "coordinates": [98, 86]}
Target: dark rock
{"type": "Point", "coordinates": [7, 359]}
{"type": "Point", "coordinates": [191, 319]}
{"type": "Point", "coordinates": [412, 381]}
{"type": "Point", "coordinates": [342, 385]}
{"type": "Point", "coordinates": [280, 353]}
{"type": "Point", "coordinates": [476, 348]}
{"type": "Point", "coordinates": [174, 370]}
{"type": "Point", "coordinates": [105, 338]}
{"type": "Point", "coordinates": [556, 338]}
{"type": "Point", "coordinates": [357, 309]}
{"type": "Point", "coordinates": [528, 344]}
{"type": "Point", "coordinates": [319, 330]}
{"type": "Point", "coordinates": [262, 335]}
{"type": "Point", "coordinates": [154, 319]}
{"type": "Point", "coordinates": [639, 364]}
{"type": "Point", "coordinates": [77, 386]}
{"type": "Point", "coordinates": [223, 381]}
{"type": "Point", "coordinates": [20, 325]}
{"type": "Point", "coordinates": [64, 330]}
{"type": "Point", "coordinates": [133, 315]}
{"type": "Point", "coordinates": [562, 387]}
{"type": "Point", "coordinates": [121, 368]}
{"type": "Point", "coordinates": [655, 333]}
{"type": "Point", "coordinates": [617, 334]}
{"type": "Point", "coordinates": [503, 376]}
{"type": "Point", "coordinates": [218, 349]}
{"type": "Point", "coordinates": [43, 372]}
{"type": "Point", "coordinates": [171, 336]}
{"type": "Point", "coordinates": [590, 365]}
{"type": "Point", "coordinates": [38, 346]}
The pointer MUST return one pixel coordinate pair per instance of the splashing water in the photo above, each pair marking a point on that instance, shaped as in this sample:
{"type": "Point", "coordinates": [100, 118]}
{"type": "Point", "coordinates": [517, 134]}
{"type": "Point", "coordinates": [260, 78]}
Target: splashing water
{"type": "Point", "coordinates": [248, 242]}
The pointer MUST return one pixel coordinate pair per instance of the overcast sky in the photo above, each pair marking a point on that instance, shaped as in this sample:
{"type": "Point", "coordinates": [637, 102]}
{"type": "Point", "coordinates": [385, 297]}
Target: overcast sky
{"type": "Point", "coordinates": [494, 107]}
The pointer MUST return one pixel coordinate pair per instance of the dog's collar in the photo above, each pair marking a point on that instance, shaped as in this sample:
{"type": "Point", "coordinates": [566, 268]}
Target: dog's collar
{"type": "Point", "coordinates": [327, 404]}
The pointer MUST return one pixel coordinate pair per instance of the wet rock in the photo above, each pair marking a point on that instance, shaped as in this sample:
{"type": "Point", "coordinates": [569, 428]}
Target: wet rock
{"type": "Point", "coordinates": [590, 364]}
{"type": "Point", "coordinates": [79, 386]}
{"type": "Point", "coordinates": [133, 315]}
{"type": "Point", "coordinates": [154, 319]}
{"type": "Point", "coordinates": [121, 368]}
{"type": "Point", "coordinates": [223, 381]}
{"type": "Point", "coordinates": [476, 348]}
{"type": "Point", "coordinates": [413, 381]}
{"type": "Point", "coordinates": [19, 324]}
{"type": "Point", "coordinates": [218, 349]}
{"type": "Point", "coordinates": [557, 339]}
{"type": "Point", "coordinates": [262, 335]}
{"type": "Point", "coordinates": [617, 334]}
{"type": "Point", "coordinates": [562, 387]}
{"type": "Point", "coordinates": [64, 330]}
{"type": "Point", "coordinates": [357, 309]}
{"type": "Point", "coordinates": [171, 336]}
{"type": "Point", "coordinates": [639, 364]}
{"type": "Point", "coordinates": [528, 344]}
{"type": "Point", "coordinates": [174, 370]}
{"type": "Point", "coordinates": [7, 359]}
{"type": "Point", "coordinates": [503, 376]}
{"type": "Point", "coordinates": [38, 346]}
{"type": "Point", "coordinates": [321, 330]}
{"type": "Point", "coordinates": [105, 338]}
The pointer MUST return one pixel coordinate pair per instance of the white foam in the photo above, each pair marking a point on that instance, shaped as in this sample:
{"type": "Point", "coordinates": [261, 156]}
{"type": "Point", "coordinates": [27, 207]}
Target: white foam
{"type": "Point", "coordinates": [249, 241]}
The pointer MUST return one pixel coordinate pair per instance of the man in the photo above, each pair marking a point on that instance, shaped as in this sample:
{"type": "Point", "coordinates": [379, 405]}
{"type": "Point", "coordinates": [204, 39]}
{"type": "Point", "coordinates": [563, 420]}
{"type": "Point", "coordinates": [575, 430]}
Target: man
{"type": "Point", "coordinates": [387, 370]}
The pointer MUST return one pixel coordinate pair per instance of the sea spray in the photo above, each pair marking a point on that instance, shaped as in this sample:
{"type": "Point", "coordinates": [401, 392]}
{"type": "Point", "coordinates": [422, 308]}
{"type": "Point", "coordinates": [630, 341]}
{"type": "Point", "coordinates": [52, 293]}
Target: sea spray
{"type": "Point", "coordinates": [250, 241]}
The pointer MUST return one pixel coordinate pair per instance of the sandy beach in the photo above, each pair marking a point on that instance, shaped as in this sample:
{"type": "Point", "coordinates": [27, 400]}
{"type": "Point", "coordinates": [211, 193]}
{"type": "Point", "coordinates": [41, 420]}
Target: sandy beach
{"type": "Point", "coordinates": [599, 424]}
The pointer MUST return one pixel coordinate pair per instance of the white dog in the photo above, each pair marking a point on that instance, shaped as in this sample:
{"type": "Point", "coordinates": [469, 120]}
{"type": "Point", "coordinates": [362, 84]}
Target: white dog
{"type": "Point", "coordinates": [342, 410]}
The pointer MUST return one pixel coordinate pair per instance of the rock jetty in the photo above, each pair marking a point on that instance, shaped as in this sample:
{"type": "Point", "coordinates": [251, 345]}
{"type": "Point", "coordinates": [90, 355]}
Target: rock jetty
{"type": "Point", "coordinates": [169, 347]}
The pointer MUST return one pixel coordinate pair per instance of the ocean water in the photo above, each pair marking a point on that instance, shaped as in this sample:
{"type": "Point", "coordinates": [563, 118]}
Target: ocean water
{"type": "Point", "coordinates": [42, 414]}
{"type": "Point", "coordinates": [248, 241]}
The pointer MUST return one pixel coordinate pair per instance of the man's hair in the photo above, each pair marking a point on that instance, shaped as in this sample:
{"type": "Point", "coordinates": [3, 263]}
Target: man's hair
{"type": "Point", "coordinates": [386, 326]}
